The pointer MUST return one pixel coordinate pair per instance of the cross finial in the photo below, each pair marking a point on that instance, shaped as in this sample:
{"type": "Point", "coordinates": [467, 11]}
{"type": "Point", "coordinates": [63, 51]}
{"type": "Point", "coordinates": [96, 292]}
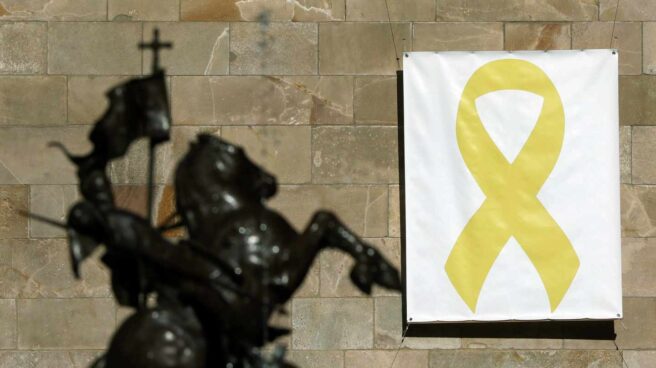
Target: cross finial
{"type": "Point", "coordinates": [155, 45]}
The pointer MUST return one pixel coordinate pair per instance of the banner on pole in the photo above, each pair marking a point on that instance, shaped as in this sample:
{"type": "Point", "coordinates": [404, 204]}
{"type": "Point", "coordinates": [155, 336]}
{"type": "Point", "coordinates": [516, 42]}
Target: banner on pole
{"type": "Point", "coordinates": [512, 208]}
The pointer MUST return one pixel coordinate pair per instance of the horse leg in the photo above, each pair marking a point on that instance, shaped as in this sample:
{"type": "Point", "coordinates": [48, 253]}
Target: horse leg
{"type": "Point", "coordinates": [327, 231]}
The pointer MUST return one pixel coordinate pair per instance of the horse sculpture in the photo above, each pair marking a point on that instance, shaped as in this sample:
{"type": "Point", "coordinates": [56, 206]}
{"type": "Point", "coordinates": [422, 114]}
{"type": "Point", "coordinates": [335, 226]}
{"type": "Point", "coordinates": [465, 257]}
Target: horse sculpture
{"type": "Point", "coordinates": [204, 300]}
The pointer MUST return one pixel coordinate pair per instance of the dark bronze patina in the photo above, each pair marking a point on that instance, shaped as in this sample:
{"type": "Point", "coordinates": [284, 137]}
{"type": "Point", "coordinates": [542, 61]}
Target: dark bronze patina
{"type": "Point", "coordinates": [210, 294]}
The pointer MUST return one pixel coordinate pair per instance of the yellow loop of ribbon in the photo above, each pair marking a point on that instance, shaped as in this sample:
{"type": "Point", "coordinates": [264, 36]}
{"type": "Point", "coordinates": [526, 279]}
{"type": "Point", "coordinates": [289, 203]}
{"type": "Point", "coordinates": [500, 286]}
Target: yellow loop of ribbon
{"type": "Point", "coordinates": [511, 207]}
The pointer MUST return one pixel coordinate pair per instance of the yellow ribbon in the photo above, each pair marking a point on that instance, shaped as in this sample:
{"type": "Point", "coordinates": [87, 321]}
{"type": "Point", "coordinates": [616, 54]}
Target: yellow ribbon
{"type": "Point", "coordinates": [511, 207]}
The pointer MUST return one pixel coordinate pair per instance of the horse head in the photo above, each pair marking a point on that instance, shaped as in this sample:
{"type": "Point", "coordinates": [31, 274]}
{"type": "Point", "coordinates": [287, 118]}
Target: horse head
{"type": "Point", "coordinates": [216, 177]}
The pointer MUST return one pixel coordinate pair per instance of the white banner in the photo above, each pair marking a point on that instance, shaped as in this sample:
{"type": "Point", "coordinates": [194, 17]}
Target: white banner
{"type": "Point", "coordinates": [512, 186]}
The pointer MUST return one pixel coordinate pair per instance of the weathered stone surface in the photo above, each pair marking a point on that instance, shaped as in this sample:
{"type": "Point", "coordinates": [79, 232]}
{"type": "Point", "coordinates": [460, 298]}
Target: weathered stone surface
{"type": "Point", "coordinates": [32, 100]}
{"type": "Point", "coordinates": [362, 208]}
{"type": "Point", "coordinates": [336, 267]}
{"type": "Point", "coordinates": [65, 323]}
{"type": "Point", "coordinates": [13, 200]}
{"type": "Point", "coordinates": [332, 98]}
{"type": "Point", "coordinates": [199, 48]}
{"type": "Point", "coordinates": [538, 36]}
{"type": "Point", "coordinates": [625, 153]}
{"type": "Point", "coordinates": [637, 10]}
{"type": "Point", "coordinates": [25, 157]}
{"type": "Point", "coordinates": [86, 97]}
{"type": "Point", "coordinates": [648, 47]}
{"type": "Point", "coordinates": [362, 48]}
{"type": "Point", "coordinates": [581, 344]}
{"type": "Point", "coordinates": [53, 10]}
{"type": "Point", "coordinates": [533, 10]}
{"type": "Point", "coordinates": [457, 36]}
{"type": "Point", "coordinates": [274, 48]}
{"type": "Point", "coordinates": [310, 286]}
{"type": "Point", "coordinates": [399, 10]}
{"type": "Point", "coordinates": [94, 48]}
{"type": "Point", "coordinates": [524, 359]}
{"type": "Point", "coordinates": [627, 39]}
{"type": "Point", "coordinates": [640, 359]}
{"type": "Point", "coordinates": [637, 100]}
{"type": "Point", "coordinates": [345, 323]}
{"type": "Point", "coordinates": [48, 359]}
{"type": "Point", "coordinates": [281, 150]}
{"type": "Point", "coordinates": [245, 101]}
{"type": "Point", "coordinates": [132, 168]}
{"type": "Point", "coordinates": [638, 271]}
{"type": "Point", "coordinates": [144, 10]}
{"type": "Point", "coordinates": [394, 226]}
{"type": "Point", "coordinates": [42, 268]}
{"type": "Point", "coordinates": [638, 204]}
{"type": "Point", "coordinates": [317, 359]}
{"type": "Point", "coordinates": [7, 324]}
{"type": "Point", "coordinates": [52, 201]}
{"type": "Point", "coordinates": [643, 169]}
{"type": "Point", "coordinates": [24, 48]}
{"type": "Point", "coordinates": [511, 343]}
{"type": "Point", "coordinates": [391, 359]}
{"type": "Point", "coordinates": [637, 330]}
{"type": "Point", "coordinates": [254, 10]}
{"type": "Point", "coordinates": [375, 100]}
{"type": "Point", "coordinates": [354, 155]}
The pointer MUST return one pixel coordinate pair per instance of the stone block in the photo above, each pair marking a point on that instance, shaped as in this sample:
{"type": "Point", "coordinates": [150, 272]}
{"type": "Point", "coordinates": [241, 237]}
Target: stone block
{"type": "Point", "coordinates": [48, 359]}
{"type": "Point", "coordinates": [13, 201]}
{"type": "Point", "coordinates": [638, 271]}
{"type": "Point", "coordinates": [94, 48]}
{"type": "Point", "coordinates": [7, 324]}
{"type": "Point", "coordinates": [627, 40]}
{"type": "Point", "coordinates": [524, 358]}
{"type": "Point", "coordinates": [637, 330]}
{"type": "Point", "coordinates": [25, 156]}
{"type": "Point", "coordinates": [123, 10]}
{"type": "Point", "coordinates": [61, 10]}
{"type": "Point", "coordinates": [648, 47]}
{"type": "Point", "coordinates": [274, 48]}
{"type": "Point", "coordinates": [65, 323]}
{"type": "Point", "coordinates": [259, 10]}
{"type": "Point", "coordinates": [363, 155]}
{"type": "Point", "coordinates": [317, 359]}
{"type": "Point", "coordinates": [640, 359]}
{"type": "Point", "coordinates": [87, 99]}
{"type": "Point", "coordinates": [399, 10]}
{"type": "Point", "coordinates": [243, 101]}
{"type": "Point", "coordinates": [636, 10]}
{"type": "Point", "coordinates": [375, 100]}
{"type": "Point", "coordinates": [331, 97]}
{"type": "Point", "coordinates": [394, 226]}
{"type": "Point", "coordinates": [24, 49]}
{"type": "Point", "coordinates": [637, 100]}
{"type": "Point", "coordinates": [538, 36]}
{"type": "Point", "coordinates": [42, 268]}
{"type": "Point", "coordinates": [325, 324]}
{"type": "Point", "coordinates": [52, 201]}
{"type": "Point", "coordinates": [638, 205]}
{"type": "Point", "coordinates": [199, 48]}
{"type": "Point", "coordinates": [626, 136]}
{"type": "Point", "coordinates": [457, 36]}
{"type": "Point", "coordinates": [362, 48]}
{"type": "Point", "coordinates": [643, 169]}
{"type": "Point", "coordinates": [32, 100]}
{"type": "Point", "coordinates": [362, 208]}
{"type": "Point", "coordinates": [382, 358]}
{"type": "Point", "coordinates": [517, 10]}
{"type": "Point", "coordinates": [281, 150]}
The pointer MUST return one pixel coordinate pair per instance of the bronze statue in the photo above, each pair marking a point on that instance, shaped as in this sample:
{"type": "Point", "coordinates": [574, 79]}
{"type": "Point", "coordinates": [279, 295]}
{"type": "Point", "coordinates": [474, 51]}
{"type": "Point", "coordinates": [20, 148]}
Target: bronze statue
{"type": "Point", "coordinates": [204, 300]}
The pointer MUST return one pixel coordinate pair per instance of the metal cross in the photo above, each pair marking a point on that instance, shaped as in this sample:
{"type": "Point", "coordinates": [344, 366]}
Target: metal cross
{"type": "Point", "coordinates": [155, 45]}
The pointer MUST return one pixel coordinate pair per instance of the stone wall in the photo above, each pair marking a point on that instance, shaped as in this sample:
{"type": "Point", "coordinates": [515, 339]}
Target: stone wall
{"type": "Point", "coordinates": [309, 89]}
